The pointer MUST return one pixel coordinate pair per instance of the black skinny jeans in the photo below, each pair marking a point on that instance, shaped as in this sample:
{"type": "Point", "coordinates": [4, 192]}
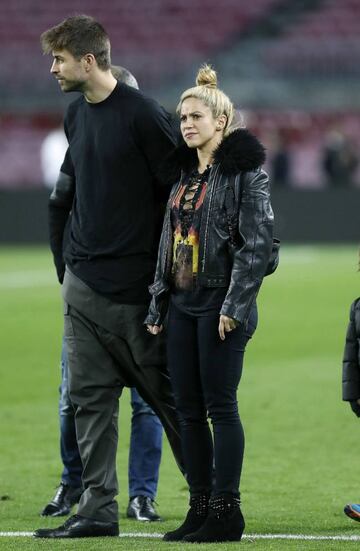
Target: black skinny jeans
{"type": "Point", "coordinates": [205, 373]}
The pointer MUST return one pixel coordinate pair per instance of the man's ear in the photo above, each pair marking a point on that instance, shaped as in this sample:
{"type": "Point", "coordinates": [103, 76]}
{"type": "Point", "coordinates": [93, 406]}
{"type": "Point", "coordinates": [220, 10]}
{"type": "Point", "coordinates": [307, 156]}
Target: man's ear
{"type": "Point", "coordinates": [89, 61]}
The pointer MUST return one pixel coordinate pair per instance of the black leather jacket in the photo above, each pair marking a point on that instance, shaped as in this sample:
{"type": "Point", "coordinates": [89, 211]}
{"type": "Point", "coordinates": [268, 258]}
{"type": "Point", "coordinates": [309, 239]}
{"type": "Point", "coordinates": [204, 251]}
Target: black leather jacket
{"type": "Point", "coordinates": [238, 264]}
{"type": "Point", "coordinates": [351, 358]}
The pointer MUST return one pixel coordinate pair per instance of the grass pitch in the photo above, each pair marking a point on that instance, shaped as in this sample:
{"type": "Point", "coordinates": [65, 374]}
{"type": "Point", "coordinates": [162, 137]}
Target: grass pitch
{"type": "Point", "coordinates": [302, 442]}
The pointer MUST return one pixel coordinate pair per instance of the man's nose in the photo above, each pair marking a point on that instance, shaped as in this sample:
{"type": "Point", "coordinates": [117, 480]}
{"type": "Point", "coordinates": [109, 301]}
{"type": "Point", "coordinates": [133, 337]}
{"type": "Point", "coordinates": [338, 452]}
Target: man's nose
{"type": "Point", "coordinates": [53, 68]}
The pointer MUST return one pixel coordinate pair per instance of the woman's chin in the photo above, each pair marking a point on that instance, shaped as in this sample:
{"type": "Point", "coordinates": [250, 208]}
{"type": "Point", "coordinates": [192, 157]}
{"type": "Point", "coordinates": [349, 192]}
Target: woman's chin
{"type": "Point", "coordinates": [191, 144]}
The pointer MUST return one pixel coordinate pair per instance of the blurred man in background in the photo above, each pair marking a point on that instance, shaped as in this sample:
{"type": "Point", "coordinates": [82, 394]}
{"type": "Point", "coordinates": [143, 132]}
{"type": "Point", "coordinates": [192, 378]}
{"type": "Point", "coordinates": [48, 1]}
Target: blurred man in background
{"type": "Point", "coordinates": [117, 140]}
{"type": "Point", "coordinates": [280, 161]}
{"type": "Point", "coordinates": [340, 160]}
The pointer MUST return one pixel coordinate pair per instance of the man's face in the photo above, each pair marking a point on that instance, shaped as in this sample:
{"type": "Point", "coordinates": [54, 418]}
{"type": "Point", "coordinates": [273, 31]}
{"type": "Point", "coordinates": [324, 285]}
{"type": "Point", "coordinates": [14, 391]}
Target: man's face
{"type": "Point", "coordinates": [68, 71]}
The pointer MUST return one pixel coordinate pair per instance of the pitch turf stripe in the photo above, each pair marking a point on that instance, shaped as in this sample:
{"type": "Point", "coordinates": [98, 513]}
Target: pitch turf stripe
{"type": "Point", "coordinates": [301, 537]}
{"type": "Point", "coordinates": [28, 278]}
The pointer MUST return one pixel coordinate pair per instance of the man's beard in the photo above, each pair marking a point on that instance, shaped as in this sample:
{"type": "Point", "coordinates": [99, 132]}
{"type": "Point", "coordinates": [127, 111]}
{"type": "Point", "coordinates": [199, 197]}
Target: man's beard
{"type": "Point", "coordinates": [72, 86]}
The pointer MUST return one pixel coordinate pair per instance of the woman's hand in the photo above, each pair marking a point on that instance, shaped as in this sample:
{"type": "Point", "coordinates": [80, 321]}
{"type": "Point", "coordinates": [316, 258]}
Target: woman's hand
{"type": "Point", "coordinates": [154, 329]}
{"type": "Point", "coordinates": [226, 325]}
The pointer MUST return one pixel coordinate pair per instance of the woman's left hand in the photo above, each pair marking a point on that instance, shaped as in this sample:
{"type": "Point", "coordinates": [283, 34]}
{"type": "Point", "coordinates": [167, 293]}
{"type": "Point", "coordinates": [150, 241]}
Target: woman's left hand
{"type": "Point", "coordinates": [226, 325]}
{"type": "Point", "coordinates": [154, 329]}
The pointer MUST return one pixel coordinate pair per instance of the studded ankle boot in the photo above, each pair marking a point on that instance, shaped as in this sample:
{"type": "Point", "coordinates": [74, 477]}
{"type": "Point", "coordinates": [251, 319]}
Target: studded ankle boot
{"type": "Point", "coordinates": [195, 518]}
{"type": "Point", "coordinates": [224, 522]}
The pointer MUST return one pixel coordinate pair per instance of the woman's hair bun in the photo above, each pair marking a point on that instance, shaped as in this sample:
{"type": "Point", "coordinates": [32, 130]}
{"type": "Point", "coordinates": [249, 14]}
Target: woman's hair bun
{"type": "Point", "coordinates": [206, 76]}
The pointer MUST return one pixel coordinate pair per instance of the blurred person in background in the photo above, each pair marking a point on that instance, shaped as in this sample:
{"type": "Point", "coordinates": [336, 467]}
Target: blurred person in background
{"type": "Point", "coordinates": [280, 162]}
{"type": "Point", "coordinates": [146, 430]}
{"type": "Point", "coordinates": [340, 160]}
{"type": "Point", "coordinates": [52, 153]}
{"type": "Point", "coordinates": [117, 139]}
{"type": "Point", "coordinates": [214, 251]}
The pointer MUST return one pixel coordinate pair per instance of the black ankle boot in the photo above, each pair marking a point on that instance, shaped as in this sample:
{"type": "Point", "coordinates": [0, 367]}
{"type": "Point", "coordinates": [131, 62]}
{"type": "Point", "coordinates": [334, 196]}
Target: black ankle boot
{"type": "Point", "coordinates": [224, 522]}
{"type": "Point", "coordinates": [195, 518]}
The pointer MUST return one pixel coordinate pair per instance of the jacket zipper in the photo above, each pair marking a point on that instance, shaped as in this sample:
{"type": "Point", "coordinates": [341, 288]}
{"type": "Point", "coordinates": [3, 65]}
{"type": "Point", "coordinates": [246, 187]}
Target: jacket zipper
{"type": "Point", "coordinates": [207, 218]}
{"type": "Point", "coordinates": [168, 225]}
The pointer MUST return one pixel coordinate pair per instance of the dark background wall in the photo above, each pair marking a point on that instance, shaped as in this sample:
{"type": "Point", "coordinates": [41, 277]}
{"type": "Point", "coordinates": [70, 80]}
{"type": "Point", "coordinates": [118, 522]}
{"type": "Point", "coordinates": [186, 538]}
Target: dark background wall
{"type": "Point", "coordinates": [321, 216]}
{"type": "Point", "coordinates": [301, 216]}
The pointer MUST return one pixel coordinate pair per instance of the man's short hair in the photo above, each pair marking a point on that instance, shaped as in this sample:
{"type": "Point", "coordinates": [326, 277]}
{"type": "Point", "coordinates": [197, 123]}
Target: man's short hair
{"type": "Point", "coordinates": [80, 35]}
{"type": "Point", "coordinates": [123, 75]}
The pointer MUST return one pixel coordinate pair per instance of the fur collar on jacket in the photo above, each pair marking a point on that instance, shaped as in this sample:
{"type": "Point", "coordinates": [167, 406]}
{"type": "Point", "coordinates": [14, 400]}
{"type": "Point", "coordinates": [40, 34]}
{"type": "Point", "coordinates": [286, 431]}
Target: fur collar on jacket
{"type": "Point", "coordinates": [239, 151]}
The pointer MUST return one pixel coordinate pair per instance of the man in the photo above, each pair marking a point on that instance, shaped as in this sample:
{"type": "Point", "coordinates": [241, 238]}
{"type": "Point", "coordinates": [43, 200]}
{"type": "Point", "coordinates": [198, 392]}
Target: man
{"type": "Point", "coordinates": [146, 430]}
{"type": "Point", "coordinates": [117, 139]}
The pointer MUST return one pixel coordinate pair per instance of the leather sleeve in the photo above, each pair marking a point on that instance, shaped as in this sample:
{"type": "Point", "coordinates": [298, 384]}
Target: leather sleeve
{"type": "Point", "coordinates": [158, 307]}
{"type": "Point", "coordinates": [159, 290]}
{"type": "Point", "coordinates": [351, 358]}
{"type": "Point", "coordinates": [251, 257]}
{"type": "Point", "coordinates": [59, 208]}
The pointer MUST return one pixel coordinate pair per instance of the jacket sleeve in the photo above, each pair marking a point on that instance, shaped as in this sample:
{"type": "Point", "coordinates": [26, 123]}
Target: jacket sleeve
{"type": "Point", "coordinates": [59, 208]}
{"type": "Point", "coordinates": [159, 290]}
{"type": "Point", "coordinates": [251, 257]}
{"type": "Point", "coordinates": [351, 358]}
{"type": "Point", "coordinates": [159, 305]}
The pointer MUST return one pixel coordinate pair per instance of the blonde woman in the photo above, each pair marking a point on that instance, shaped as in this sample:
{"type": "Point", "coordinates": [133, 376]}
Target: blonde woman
{"type": "Point", "coordinates": [214, 252]}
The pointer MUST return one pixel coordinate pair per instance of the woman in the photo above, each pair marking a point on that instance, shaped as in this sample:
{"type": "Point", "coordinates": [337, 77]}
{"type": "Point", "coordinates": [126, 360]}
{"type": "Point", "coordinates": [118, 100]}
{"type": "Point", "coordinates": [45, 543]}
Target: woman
{"type": "Point", "coordinates": [214, 250]}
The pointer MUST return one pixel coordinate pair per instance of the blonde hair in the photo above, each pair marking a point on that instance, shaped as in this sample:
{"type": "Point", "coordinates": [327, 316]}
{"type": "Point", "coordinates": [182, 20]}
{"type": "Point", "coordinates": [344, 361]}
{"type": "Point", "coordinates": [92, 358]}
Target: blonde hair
{"type": "Point", "coordinates": [207, 91]}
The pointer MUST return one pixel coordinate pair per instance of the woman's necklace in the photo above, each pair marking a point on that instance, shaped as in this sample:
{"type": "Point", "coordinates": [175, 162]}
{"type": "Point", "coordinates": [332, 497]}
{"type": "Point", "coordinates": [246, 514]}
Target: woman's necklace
{"type": "Point", "coordinates": [189, 200]}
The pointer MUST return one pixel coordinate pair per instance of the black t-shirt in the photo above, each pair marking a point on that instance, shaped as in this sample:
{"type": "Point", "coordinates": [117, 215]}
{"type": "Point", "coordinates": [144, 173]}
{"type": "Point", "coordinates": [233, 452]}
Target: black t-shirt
{"type": "Point", "coordinates": [186, 212]}
{"type": "Point", "coordinates": [115, 148]}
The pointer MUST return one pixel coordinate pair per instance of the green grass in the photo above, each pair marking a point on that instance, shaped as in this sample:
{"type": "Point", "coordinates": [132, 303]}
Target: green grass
{"type": "Point", "coordinates": [302, 442]}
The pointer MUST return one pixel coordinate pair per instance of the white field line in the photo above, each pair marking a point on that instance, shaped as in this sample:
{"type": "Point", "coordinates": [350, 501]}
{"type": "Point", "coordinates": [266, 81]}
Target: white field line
{"type": "Point", "coordinates": [28, 278]}
{"type": "Point", "coordinates": [23, 279]}
{"type": "Point", "coordinates": [298, 256]}
{"type": "Point", "coordinates": [301, 537]}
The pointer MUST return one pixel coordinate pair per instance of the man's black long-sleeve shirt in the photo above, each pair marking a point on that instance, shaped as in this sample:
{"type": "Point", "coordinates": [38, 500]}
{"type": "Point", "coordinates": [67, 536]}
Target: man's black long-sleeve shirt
{"type": "Point", "coordinates": [115, 148]}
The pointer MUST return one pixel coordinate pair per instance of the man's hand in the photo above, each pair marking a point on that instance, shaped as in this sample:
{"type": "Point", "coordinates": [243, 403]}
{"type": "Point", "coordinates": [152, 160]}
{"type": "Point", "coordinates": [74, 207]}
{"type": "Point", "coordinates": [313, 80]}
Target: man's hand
{"type": "Point", "coordinates": [154, 329]}
{"type": "Point", "coordinates": [226, 325]}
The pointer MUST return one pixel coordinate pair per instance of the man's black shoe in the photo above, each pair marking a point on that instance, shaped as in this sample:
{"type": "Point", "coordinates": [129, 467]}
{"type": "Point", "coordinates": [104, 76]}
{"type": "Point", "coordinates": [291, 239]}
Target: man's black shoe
{"type": "Point", "coordinates": [79, 527]}
{"type": "Point", "coordinates": [142, 508]}
{"type": "Point", "coordinates": [65, 498]}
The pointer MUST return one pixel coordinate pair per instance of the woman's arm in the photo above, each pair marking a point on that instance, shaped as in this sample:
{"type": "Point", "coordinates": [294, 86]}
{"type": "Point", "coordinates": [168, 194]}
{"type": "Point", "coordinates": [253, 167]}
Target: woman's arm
{"type": "Point", "coordinates": [251, 257]}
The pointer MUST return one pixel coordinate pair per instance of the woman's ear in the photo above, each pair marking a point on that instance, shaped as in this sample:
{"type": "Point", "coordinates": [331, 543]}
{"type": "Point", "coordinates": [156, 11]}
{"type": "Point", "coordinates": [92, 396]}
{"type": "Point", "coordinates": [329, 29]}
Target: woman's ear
{"type": "Point", "coordinates": [221, 122]}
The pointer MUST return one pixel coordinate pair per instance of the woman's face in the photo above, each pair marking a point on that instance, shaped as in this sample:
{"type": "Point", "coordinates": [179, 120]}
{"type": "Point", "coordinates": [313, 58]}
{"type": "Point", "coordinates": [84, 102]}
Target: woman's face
{"type": "Point", "coordinates": [198, 126]}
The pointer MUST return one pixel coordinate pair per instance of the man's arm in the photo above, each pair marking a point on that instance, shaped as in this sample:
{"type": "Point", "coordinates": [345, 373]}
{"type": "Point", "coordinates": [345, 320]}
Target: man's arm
{"type": "Point", "coordinates": [155, 136]}
{"type": "Point", "coordinates": [60, 205]}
